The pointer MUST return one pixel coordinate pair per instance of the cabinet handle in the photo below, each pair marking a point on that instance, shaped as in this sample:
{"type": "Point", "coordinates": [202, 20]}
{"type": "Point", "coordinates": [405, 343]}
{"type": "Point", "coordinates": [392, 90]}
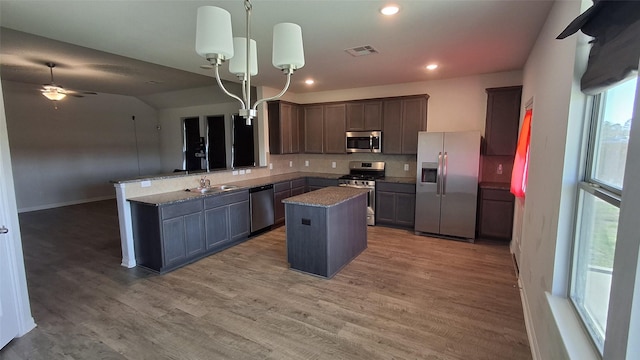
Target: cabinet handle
{"type": "Point", "coordinates": [3, 230]}
{"type": "Point", "coordinates": [439, 174]}
{"type": "Point", "coordinates": [444, 176]}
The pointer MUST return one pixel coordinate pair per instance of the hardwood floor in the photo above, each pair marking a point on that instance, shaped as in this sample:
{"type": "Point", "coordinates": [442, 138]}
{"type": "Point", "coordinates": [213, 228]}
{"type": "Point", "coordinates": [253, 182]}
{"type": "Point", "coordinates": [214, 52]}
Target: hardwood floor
{"type": "Point", "coordinates": [404, 297]}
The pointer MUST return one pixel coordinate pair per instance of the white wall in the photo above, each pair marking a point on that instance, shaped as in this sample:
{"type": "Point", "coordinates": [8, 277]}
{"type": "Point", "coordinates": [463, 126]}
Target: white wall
{"type": "Point", "coordinates": [69, 155]}
{"type": "Point", "coordinates": [550, 80]}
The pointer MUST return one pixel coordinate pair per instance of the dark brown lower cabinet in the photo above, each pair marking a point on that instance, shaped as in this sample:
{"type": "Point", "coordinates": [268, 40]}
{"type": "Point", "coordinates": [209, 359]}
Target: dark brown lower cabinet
{"type": "Point", "coordinates": [495, 215]}
{"type": "Point", "coordinates": [169, 236]}
{"type": "Point", "coordinates": [395, 204]}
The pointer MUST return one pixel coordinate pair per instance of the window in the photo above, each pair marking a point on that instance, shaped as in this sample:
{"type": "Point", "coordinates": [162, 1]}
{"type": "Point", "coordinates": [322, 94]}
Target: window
{"type": "Point", "coordinates": [599, 199]}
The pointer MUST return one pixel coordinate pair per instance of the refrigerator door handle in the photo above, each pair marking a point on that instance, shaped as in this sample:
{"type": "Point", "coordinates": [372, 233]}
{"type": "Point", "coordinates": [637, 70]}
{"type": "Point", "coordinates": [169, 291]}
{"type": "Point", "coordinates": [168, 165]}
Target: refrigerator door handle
{"type": "Point", "coordinates": [444, 175]}
{"type": "Point", "coordinates": [439, 174]}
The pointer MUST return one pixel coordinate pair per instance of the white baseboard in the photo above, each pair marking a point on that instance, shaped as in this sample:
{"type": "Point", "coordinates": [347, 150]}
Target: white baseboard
{"type": "Point", "coordinates": [528, 323]}
{"type": "Point", "coordinates": [57, 205]}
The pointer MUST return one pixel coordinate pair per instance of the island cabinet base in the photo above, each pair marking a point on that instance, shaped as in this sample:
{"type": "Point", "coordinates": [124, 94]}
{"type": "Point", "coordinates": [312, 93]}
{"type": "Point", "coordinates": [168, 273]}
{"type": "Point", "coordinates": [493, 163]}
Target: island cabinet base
{"type": "Point", "coordinates": [322, 240]}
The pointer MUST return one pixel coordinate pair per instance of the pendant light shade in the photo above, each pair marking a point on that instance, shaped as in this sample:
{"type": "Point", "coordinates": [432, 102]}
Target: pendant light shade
{"type": "Point", "coordinates": [287, 46]}
{"type": "Point", "coordinates": [238, 64]}
{"type": "Point", "coordinates": [213, 32]}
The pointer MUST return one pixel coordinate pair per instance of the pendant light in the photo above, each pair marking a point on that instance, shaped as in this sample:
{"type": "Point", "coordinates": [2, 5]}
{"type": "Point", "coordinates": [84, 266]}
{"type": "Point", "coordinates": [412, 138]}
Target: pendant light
{"type": "Point", "coordinates": [215, 42]}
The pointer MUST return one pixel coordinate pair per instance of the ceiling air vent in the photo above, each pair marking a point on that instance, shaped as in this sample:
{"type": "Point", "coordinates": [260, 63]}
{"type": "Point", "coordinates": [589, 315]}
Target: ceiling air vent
{"type": "Point", "coordinates": [362, 50]}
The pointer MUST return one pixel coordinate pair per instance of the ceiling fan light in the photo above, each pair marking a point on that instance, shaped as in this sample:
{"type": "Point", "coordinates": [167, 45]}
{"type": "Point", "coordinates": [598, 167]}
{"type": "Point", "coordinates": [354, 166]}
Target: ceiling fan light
{"type": "Point", "coordinates": [287, 46]}
{"type": "Point", "coordinates": [238, 64]}
{"type": "Point", "coordinates": [213, 32]}
{"type": "Point", "coordinates": [53, 93]}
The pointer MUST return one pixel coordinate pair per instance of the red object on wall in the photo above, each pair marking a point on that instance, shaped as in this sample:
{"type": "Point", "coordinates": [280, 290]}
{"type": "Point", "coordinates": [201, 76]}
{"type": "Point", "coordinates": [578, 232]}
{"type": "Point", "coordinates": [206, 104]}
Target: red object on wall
{"type": "Point", "coordinates": [521, 162]}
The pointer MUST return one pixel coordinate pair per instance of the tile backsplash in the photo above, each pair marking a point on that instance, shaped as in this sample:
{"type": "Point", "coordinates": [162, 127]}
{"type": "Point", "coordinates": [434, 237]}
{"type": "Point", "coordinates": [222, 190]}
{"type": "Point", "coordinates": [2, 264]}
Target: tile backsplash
{"type": "Point", "coordinates": [339, 163]}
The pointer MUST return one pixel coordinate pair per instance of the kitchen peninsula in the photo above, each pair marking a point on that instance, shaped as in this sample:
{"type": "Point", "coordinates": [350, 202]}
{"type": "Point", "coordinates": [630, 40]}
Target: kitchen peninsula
{"type": "Point", "coordinates": [326, 229]}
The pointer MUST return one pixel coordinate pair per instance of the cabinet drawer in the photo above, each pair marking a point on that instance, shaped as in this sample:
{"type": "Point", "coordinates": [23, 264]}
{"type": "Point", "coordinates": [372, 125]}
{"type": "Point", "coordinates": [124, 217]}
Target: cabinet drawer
{"type": "Point", "coordinates": [281, 186]}
{"type": "Point", "coordinates": [298, 183]}
{"type": "Point", "coordinates": [180, 209]}
{"type": "Point", "coordinates": [226, 199]}
{"type": "Point", "coordinates": [498, 195]}
{"type": "Point", "coordinates": [396, 187]}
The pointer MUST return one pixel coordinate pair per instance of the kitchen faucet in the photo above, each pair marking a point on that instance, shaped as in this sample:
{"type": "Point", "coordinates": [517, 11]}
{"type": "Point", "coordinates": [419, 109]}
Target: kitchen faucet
{"type": "Point", "coordinates": [204, 182]}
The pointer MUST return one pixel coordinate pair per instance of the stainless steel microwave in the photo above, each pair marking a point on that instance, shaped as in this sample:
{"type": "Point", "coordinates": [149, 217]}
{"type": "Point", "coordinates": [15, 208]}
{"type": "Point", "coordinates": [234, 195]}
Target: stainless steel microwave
{"type": "Point", "coordinates": [364, 141]}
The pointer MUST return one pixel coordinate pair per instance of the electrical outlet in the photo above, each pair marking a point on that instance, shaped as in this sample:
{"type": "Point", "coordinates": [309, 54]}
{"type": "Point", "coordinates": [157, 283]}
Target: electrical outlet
{"type": "Point", "coordinates": [306, 163]}
{"type": "Point", "coordinates": [333, 164]}
{"type": "Point", "coordinates": [499, 169]}
{"type": "Point", "coordinates": [270, 166]}
{"type": "Point", "coordinates": [242, 172]}
{"type": "Point", "coordinates": [406, 167]}
{"type": "Point", "coordinates": [290, 163]}
{"type": "Point", "coordinates": [145, 183]}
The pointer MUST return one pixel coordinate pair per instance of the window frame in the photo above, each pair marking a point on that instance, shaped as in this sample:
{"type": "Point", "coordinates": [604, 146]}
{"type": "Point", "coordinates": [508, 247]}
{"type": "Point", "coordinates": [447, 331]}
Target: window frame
{"type": "Point", "coordinates": [589, 185]}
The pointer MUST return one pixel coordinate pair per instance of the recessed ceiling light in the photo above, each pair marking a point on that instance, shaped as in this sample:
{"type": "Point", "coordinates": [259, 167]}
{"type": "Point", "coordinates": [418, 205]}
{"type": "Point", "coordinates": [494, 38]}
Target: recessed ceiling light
{"type": "Point", "coordinates": [432, 66]}
{"type": "Point", "coordinates": [389, 10]}
{"type": "Point", "coordinates": [309, 81]}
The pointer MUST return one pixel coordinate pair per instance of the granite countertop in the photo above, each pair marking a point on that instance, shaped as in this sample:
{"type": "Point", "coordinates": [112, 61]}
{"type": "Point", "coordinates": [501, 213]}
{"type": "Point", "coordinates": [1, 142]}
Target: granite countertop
{"type": "Point", "coordinates": [495, 185]}
{"type": "Point", "coordinates": [183, 195]}
{"type": "Point", "coordinates": [326, 197]}
{"type": "Point", "coordinates": [401, 180]}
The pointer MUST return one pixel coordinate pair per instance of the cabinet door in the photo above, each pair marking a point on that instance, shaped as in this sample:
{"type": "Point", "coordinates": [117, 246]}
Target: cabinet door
{"type": "Point", "coordinates": [297, 191]}
{"type": "Point", "coordinates": [194, 234]}
{"type": "Point", "coordinates": [217, 226]}
{"type": "Point", "coordinates": [278, 206]}
{"type": "Point", "coordinates": [294, 129]}
{"type": "Point", "coordinates": [335, 119]}
{"type": "Point", "coordinates": [405, 209]}
{"type": "Point", "coordinates": [392, 126]}
{"type": "Point", "coordinates": [373, 115]}
{"type": "Point", "coordinates": [503, 116]}
{"type": "Point", "coordinates": [355, 116]}
{"type": "Point", "coordinates": [313, 129]}
{"type": "Point", "coordinates": [285, 128]}
{"type": "Point", "coordinates": [239, 220]}
{"type": "Point", "coordinates": [496, 214]}
{"type": "Point", "coordinates": [385, 207]}
{"type": "Point", "coordinates": [414, 119]}
{"type": "Point", "coordinates": [173, 239]}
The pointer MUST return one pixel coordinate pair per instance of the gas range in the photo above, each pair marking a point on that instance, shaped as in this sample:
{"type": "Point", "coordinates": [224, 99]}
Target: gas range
{"type": "Point", "coordinates": [361, 180]}
{"type": "Point", "coordinates": [364, 175]}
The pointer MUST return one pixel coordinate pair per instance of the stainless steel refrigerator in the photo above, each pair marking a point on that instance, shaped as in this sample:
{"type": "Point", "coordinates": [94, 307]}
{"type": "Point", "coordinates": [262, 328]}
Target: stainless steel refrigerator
{"type": "Point", "coordinates": [447, 183]}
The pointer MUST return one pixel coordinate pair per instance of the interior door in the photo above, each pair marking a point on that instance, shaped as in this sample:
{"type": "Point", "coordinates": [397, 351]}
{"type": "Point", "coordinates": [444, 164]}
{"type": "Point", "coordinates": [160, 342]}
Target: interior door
{"type": "Point", "coordinates": [15, 313]}
{"type": "Point", "coordinates": [8, 308]}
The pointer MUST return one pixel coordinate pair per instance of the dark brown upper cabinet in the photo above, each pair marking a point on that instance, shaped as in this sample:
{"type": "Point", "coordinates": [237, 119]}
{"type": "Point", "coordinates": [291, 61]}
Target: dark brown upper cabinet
{"type": "Point", "coordinates": [364, 116]}
{"type": "Point", "coordinates": [313, 129]}
{"type": "Point", "coordinates": [284, 124]}
{"type": "Point", "coordinates": [402, 119]}
{"type": "Point", "coordinates": [335, 120]}
{"type": "Point", "coordinates": [503, 115]}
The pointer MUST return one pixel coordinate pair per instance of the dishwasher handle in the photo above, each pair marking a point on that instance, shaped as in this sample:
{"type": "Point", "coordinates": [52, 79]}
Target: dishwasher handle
{"type": "Point", "coordinates": [261, 188]}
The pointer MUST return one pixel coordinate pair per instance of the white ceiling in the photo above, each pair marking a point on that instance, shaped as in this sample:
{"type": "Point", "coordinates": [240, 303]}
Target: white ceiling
{"type": "Point", "coordinates": [144, 47]}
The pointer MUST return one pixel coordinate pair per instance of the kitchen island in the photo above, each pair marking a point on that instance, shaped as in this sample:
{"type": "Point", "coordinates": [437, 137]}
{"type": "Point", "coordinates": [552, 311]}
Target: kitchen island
{"type": "Point", "coordinates": [326, 229]}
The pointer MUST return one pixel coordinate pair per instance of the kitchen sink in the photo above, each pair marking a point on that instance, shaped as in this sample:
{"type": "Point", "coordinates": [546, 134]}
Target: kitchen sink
{"type": "Point", "coordinates": [213, 189]}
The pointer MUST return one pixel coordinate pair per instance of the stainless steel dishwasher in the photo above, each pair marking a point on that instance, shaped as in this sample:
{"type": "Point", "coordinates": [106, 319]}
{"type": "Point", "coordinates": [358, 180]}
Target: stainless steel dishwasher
{"type": "Point", "coordinates": [261, 203]}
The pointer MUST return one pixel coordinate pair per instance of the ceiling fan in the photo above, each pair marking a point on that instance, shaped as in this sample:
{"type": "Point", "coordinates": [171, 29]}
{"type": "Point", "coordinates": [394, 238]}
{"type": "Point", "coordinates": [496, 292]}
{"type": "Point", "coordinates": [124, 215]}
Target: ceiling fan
{"type": "Point", "coordinates": [55, 92]}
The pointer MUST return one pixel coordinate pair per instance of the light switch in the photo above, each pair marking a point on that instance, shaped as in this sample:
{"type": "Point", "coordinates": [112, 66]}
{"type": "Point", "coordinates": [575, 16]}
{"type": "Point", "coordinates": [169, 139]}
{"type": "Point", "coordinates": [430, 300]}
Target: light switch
{"type": "Point", "coordinates": [145, 183]}
{"type": "Point", "coordinates": [234, 172]}
{"type": "Point", "coordinates": [242, 172]}
{"type": "Point", "coordinates": [248, 171]}
{"type": "Point", "coordinates": [406, 167]}
{"type": "Point", "coordinates": [306, 163]}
